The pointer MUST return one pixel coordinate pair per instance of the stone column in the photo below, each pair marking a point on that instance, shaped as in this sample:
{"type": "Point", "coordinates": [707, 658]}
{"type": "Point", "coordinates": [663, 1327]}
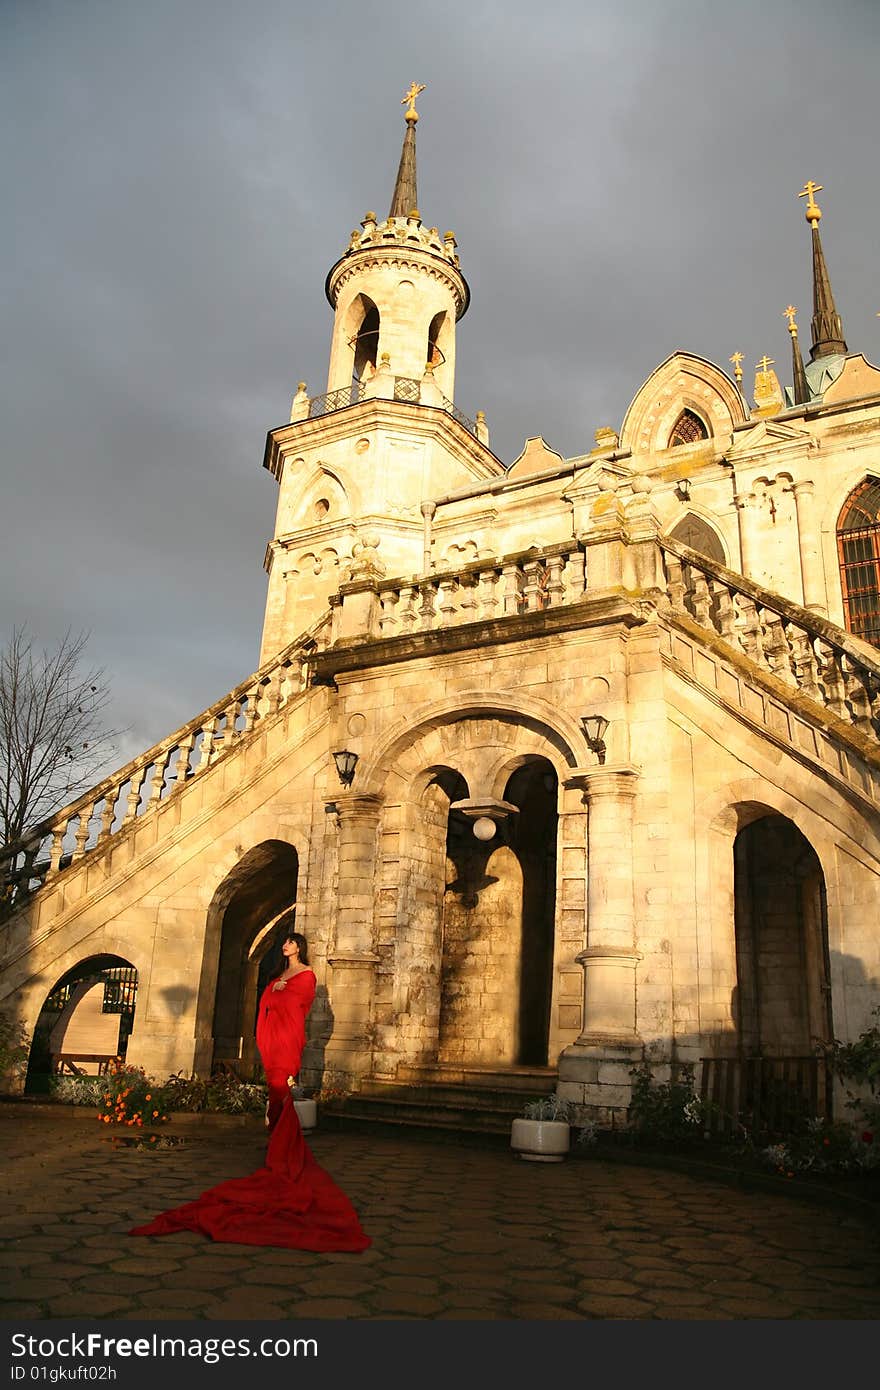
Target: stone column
{"type": "Point", "coordinates": [351, 956]}
{"type": "Point", "coordinates": [428, 510]}
{"type": "Point", "coordinates": [742, 502]}
{"type": "Point", "coordinates": [812, 569]}
{"type": "Point", "coordinates": [595, 1069]}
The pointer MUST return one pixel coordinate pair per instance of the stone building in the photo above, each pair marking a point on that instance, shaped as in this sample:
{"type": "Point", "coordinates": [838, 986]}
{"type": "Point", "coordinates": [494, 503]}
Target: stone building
{"type": "Point", "coordinates": [564, 763]}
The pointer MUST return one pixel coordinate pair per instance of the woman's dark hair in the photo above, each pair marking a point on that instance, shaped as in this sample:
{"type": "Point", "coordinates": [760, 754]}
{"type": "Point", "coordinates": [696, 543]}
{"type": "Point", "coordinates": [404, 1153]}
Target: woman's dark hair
{"type": "Point", "coordinates": [285, 930]}
{"type": "Point", "coordinates": [301, 943]}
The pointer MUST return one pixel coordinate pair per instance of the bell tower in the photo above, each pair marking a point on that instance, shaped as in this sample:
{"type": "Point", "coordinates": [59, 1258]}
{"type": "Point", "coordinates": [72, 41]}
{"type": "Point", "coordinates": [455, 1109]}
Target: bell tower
{"type": "Point", "coordinates": [398, 292]}
{"type": "Point", "coordinates": [357, 467]}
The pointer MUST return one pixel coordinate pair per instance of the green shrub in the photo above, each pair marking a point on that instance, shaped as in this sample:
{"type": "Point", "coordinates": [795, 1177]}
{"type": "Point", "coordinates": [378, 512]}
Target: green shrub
{"type": "Point", "coordinates": [668, 1112]}
{"type": "Point", "coordinates": [15, 1046]}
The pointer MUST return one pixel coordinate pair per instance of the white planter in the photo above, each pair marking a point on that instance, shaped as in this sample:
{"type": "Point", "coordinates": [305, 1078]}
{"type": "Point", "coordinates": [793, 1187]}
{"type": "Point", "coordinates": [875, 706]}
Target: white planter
{"type": "Point", "coordinates": [540, 1141]}
{"type": "Point", "coordinates": [307, 1113]}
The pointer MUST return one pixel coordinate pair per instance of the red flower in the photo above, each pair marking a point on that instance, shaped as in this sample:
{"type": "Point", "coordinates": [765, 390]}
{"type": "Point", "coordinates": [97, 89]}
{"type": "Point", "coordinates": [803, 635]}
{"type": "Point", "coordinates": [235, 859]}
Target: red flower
{"type": "Point", "coordinates": [867, 1137]}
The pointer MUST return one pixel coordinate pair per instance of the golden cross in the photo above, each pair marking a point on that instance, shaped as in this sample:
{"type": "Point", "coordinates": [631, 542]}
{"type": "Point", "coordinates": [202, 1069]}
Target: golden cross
{"type": "Point", "coordinates": [764, 363]}
{"type": "Point", "coordinates": [789, 314]}
{"type": "Point", "coordinates": [410, 97]}
{"type": "Point", "coordinates": [809, 189]}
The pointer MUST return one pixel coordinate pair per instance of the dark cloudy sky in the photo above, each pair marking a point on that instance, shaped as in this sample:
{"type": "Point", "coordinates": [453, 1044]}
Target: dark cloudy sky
{"type": "Point", "coordinates": [180, 174]}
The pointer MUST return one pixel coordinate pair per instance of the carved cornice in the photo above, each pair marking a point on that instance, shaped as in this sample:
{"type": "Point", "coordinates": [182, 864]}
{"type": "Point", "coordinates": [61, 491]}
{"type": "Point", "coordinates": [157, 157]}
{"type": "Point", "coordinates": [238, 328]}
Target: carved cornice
{"type": "Point", "coordinates": [401, 258]}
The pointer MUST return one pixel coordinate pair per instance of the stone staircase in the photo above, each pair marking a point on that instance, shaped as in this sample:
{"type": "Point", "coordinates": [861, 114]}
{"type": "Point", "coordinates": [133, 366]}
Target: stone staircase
{"type": "Point", "coordinates": [443, 1102]}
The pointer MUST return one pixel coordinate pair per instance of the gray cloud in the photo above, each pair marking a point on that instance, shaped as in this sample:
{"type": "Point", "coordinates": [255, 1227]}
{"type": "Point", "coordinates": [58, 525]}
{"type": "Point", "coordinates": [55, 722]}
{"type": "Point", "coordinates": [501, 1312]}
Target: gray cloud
{"type": "Point", "coordinates": [182, 175]}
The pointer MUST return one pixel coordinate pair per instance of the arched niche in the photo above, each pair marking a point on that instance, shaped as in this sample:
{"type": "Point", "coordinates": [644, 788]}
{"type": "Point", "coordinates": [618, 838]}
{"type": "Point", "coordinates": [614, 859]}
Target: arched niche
{"type": "Point", "coordinates": [683, 383]}
{"type": "Point", "coordinates": [694, 531]}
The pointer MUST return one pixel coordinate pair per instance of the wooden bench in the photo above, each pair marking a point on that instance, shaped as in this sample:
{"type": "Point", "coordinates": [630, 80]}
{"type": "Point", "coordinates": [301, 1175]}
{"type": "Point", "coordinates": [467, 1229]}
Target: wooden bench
{"type": "Point", "coordinates": [67, 1063]}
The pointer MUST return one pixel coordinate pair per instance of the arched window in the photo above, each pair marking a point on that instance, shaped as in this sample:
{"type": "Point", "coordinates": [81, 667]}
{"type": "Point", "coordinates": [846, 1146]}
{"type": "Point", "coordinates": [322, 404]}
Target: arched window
{"type": "Point", "coordinates": [688, 429]}
{"type": "Point", "coordinates": [698, 534]}
{"type": "Point", "coordinates": [858, 547]}
{"type": "Point", "coordinates": [366, 340]}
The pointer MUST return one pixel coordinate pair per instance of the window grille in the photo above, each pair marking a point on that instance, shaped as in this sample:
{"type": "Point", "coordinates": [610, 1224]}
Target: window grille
{"type": "Point", "coordinates": [688, 429]}
{"type": "Point", "coordinates": [858, 548]}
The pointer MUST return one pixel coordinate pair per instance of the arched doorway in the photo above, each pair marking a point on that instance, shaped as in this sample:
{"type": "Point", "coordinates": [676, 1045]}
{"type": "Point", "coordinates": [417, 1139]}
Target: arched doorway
{"type": "Point", "coordinates": [498, 921]}
{"type": "Point", "coordinates": [783, 1003]}
{"type": "Point", "coordinates": [251, 898]}
{"type": "Point", "coordinates": [86, 1019]}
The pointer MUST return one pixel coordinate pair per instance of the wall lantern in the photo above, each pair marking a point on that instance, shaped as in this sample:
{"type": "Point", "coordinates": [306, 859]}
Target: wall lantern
{"type": "Point", "coordinates": [346, 762]}
{"type": "Point", "coordinates": [683, 490]}
{"type": "Point", "coordinates": [594, 726]}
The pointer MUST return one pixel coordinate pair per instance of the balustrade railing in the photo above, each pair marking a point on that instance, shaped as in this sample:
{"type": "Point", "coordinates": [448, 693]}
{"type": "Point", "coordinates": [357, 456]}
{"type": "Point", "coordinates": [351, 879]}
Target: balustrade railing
{"type": "Point", "coordinates": [798, 647]}
{"type": "Point", "coordinates": [405, 388]}
{"type": "Point", "coordinates": [483, 590]}
{"type": "Point", "coordinates": [147, 782]}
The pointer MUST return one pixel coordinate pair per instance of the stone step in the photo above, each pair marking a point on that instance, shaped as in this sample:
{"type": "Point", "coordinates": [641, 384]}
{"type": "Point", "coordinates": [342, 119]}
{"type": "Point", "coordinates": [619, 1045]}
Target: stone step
{"type": "Point", "coordinates": [472, 1099]}
{"type": "Point", "coordinates": [444, 1125]}
{"type": "Point", "coordinates": [465, 1101]}
{"type": "Point", "coordinates": [531, 1080]}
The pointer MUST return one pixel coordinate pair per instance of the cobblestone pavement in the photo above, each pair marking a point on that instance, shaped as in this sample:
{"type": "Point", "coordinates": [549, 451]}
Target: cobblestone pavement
{"type": "Point", "coordinates": [458, 1232]}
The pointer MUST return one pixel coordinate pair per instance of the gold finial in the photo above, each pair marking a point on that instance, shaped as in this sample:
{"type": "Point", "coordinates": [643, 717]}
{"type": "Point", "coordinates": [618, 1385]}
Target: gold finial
{"type": "Point", "coordinates": [411, 114]}
{"type": "Point", "coordinates": [812, 210]}
{"type": "Point", "coordinates": [789, 314]}
{"type": "Point", "coordinates": [736, 359]}
{"type": "Point", "coordinates": [764, 363]}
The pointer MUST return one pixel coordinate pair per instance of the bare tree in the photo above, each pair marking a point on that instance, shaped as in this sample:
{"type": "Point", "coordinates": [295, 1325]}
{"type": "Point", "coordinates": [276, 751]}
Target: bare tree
{"type": "Point", "coordinates": [53, 736]}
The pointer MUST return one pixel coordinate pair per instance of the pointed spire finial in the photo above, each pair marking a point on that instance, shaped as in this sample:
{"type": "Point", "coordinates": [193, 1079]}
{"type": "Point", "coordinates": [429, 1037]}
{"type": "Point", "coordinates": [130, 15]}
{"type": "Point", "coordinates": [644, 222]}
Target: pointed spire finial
{"type": "Point", "coordinates": [812, 211]}
{"type": "Point", "coordinates": [800, 389]}
{"type": "Point", "coordinates": [737, 361]}
{"type": "Point", "coordinates": [405, 196]}
{"type": "Point", "coordinates": [827, 326]}
{"type": "Point", "coordinates": [411, 113]}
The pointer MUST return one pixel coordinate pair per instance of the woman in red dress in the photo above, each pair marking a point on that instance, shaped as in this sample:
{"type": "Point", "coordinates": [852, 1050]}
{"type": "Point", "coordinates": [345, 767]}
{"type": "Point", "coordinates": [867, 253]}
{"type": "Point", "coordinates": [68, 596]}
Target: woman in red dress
{"type": "Point", "coordinates": [291, 1201]}
{"type": "Point", "coordinates": [281, 1022]}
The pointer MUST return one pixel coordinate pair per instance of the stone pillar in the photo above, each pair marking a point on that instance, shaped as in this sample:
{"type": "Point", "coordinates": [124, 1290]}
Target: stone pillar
{"type": "Point", "coordinates": [812, 570]}
{"type": "Point", "coordinates": [742, 502]}
{"type": "Point", "coordinates": [351, 956]}
{"type": "Point", "coordinates": [605, 546]}
{"type": "Point", "coordinates": [300, 405]}
{"type": "Point", "coordinates": [594, 1070]}
{"type": "Point", "coordinates": [428, 510]}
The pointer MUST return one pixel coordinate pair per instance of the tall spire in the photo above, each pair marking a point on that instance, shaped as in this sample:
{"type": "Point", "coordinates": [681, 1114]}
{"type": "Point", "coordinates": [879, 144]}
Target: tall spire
{"type": "Point", "coordinates": [405, 197]}
{"type": "Point", "coordinates": [828, 340]}
{"type": "Point", "coordinates": [800, 389]}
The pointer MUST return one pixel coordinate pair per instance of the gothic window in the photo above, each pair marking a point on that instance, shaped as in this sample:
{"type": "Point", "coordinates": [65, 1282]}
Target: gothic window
{"type": "Point", "coordinates": [688, 429]}
{"type": "Point", "coordinates": [858, 548]}
{"type": "Point", "coordinates": [698, 534]}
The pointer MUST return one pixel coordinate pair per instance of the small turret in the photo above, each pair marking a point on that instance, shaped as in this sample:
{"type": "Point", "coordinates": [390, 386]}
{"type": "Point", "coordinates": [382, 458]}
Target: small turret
{"type": "Point", "coordinates": [397, 292]}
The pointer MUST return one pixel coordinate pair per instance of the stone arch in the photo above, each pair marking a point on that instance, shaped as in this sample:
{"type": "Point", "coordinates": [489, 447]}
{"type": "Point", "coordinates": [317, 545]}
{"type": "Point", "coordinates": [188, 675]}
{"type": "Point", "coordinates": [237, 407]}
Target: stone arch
{"type": "Point", "coordinates": [259, 887]}
{"type": "Point", "coordinates": [782, 1002]}
{"type": "Point", "coordinates": [89, 1011]}
{"type": "Point", "coordinates": [357, 326]}
{"type": "Point", "coordinates": [723, 816]}
{"type": "Point", "coordinates": [682, 382]}
{"type": "Point", "coordinates": [561, 739]}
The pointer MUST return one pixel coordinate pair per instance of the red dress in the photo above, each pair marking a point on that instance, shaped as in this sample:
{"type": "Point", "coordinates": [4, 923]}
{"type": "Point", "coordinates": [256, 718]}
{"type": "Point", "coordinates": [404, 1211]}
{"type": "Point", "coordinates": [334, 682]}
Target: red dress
{"type": "Point", "coordinates": [291, 1201]}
